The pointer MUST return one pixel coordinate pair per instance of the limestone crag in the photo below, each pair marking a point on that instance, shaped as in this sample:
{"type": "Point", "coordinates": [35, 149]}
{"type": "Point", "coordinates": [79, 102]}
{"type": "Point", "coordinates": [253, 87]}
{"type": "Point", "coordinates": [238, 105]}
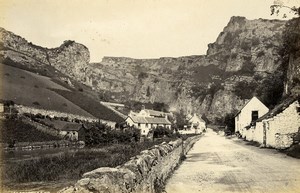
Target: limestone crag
{"type": "Point", "coordinates": [70, 58]}
{"type": "Point", "coordinates": [245, 49]}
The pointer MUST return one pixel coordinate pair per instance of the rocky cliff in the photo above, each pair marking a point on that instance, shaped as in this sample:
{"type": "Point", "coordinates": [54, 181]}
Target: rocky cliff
{"type": "Point", "coordinates": [246, 51]}
{"type": "Point", "coordinates": [70, 58]}
{"type": "Point", "coordinates": [239, 64]}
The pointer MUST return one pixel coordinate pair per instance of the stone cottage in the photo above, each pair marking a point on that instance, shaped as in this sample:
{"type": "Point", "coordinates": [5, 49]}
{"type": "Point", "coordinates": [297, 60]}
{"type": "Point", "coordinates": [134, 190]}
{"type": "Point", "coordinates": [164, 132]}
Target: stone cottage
{"type": "Point", "coordinates": [279, 127]}
{"type": "Point", "coordinates": [73, 131]}
{"type": "Point", "coordinates": [250, 112]}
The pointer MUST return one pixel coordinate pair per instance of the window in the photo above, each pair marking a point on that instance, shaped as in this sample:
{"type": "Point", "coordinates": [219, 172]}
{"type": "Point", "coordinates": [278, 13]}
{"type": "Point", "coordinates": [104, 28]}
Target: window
{"type": "Point", "coordinates": [254, 116]}
{"type": "Point", "coordinates": [146, 124]}
{"type": "Point", "coordinates": [139, 124]}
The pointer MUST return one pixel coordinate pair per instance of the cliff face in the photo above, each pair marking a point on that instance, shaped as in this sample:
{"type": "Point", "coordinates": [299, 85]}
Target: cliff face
{"type": "Point", "coordinates": [245, 54]}
{"type": "Point", "coordinates": [70, 58]}
{"type": "Point", "coordinates": [291, 55]}
{"type": "Point", "coordinates": [246, 51]}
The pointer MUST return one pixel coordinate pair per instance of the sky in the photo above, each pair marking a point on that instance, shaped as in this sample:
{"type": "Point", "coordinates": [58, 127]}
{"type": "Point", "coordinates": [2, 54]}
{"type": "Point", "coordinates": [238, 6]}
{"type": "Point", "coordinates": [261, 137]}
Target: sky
{"type": "Point", "coordinates": [129, 28]}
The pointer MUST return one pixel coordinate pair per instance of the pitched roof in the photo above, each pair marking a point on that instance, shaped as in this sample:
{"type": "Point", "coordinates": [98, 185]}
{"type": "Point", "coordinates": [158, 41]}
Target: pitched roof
{"type": "Point", "coordinates": [157, 120]}
{"type": "Point", "coordinates": [155, 113]}
{"type": "Point", "coordinates": [247, 104]}
{"type": "Point", "coordinates": [200, 118]}
{"type": "Point", "coordinates": [279, 108]}
{"type": "Point", "coordinates": [150, 120]}
{"type": "Point", "coordinates": [138, 119]}
{"type": "Point", "coordinates": [72, 127]}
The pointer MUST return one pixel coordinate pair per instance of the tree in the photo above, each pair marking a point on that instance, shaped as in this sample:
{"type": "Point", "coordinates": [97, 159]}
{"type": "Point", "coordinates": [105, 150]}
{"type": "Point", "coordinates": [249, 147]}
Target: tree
{"type": "Point", "coordinates": [229, 121]}
{"type": "Point", "coordinates": [180, 119]}
{"type": "Point", "coordinates": [278, 5]}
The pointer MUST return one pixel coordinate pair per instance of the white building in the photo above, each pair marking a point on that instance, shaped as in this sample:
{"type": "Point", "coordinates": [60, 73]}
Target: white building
{"type": "Point", "coordinates": [251, 111]}
{"type": "Point", "coordinates": [279, 128]}
{"type": "Point", "coordinates": [147, 119]}
{"type": "Point", "coordinates": [196, 123]}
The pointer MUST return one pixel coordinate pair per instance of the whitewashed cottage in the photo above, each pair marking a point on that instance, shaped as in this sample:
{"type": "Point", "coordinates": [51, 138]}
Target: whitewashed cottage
{"type": "Point", "coordinates": [280, 127]}
{"type": "Point", "coordinates": [196, 123]}
{"type": "Point", "coordinates": [250, 112]}
{"type": "Point", "coordinates": [147, 119]}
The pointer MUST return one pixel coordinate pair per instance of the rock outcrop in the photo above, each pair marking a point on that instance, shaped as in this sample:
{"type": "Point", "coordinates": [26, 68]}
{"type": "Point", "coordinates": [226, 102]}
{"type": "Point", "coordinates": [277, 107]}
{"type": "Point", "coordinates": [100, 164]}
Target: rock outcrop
{"type": "Point", "coordinates": [70, 58]}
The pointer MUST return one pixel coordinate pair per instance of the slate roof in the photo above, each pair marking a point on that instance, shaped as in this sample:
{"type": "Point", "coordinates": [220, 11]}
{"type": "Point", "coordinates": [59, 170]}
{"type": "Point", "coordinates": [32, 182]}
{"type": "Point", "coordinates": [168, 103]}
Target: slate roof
{"type": "Point", "coordinates": [150, 120]}
{"type": "Point", "coordinates": [138, 119]}
{"type": "Point", "coordinates": [72, 127]}
{"type": "Point", "coordinates": [155, 113]}
{"type": "Point", "coordinates": [279, 108]}
{"type": "Point", "coordinates": [157, 120]}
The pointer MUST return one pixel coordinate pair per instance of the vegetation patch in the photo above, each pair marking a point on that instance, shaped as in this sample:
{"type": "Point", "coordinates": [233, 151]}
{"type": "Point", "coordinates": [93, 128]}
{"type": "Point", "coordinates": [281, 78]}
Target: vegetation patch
{"type": "Point", "coordinates": [14, 130]}
{"type": "Point", "coordinates": [90, 105]}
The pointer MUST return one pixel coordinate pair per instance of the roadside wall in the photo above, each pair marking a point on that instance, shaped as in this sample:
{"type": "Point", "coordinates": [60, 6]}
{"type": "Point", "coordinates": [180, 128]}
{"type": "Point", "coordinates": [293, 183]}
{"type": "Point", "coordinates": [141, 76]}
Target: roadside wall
{"type": "Point", "coordinates": [280, 130]}
{"type": "Point", "coordinates": [146, 172]}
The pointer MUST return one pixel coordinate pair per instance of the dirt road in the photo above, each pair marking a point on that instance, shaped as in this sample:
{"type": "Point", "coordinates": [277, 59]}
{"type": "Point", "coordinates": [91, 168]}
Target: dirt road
{"type": "Point", "coordinates": [219, 164]}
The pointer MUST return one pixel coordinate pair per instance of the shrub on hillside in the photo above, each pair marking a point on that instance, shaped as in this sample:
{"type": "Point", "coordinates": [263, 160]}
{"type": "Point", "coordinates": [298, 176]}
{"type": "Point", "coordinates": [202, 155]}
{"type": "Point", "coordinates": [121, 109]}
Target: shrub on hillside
{"type": "Point", "coordinates": [271, 89]}
{"type": "Point", "coordinates": [99, 133]}
{"type": "Point", "coordinates": [18, 131]}
{"type": "Point", "coordinates": [36, 103]}
{"type": "Point", "coordinates": [245, 90]}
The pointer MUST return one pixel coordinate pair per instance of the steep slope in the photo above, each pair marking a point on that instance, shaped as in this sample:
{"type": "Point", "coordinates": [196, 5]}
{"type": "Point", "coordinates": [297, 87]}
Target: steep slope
{"type": "Point", "coordinates": [30, 89]}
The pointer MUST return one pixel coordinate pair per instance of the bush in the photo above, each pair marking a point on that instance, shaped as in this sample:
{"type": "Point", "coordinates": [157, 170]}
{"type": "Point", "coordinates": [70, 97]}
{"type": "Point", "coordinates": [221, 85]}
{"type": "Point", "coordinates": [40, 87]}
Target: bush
{"type": "Point", "coordinates": [142, 75]}
{"type": "Point", "coordinates": [245, 90]}
{"type": "Point", "coordinates": [271, 89]}
{"type": "Point", "coordinates": [36, 103]}
{"type": "Point", "coordinates": [99, 133]}
{"type": "Point", "coordinates": [160, 132]}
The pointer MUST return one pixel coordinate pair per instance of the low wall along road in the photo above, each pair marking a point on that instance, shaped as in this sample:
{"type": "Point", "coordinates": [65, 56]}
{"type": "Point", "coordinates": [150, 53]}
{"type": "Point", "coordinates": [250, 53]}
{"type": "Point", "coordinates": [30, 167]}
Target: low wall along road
{"type": "Point", "coordinates": [146, 172]}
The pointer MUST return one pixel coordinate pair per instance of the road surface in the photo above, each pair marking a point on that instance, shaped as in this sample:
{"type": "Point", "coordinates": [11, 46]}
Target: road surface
{"type": "Point", "coordinates": [220, 164]}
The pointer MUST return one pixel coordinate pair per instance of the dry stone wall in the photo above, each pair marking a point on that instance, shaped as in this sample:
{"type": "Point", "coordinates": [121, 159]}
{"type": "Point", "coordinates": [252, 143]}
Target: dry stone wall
{"type": "Point", "coordinates": [146, 172]}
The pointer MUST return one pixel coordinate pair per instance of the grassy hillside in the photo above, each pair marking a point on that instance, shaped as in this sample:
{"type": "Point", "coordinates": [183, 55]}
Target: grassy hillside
{"type": "Point", "coordinates": [30, 89]}
{"type": "Point", "coordinates": [16, 130]}
{"type": "Point", "coordinates": [90, 105]}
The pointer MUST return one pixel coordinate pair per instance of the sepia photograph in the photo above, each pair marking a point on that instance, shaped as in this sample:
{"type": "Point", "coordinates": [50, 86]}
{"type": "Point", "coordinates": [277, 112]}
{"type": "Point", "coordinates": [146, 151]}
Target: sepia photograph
{"type": "Point", "coordinates": [149, 96]}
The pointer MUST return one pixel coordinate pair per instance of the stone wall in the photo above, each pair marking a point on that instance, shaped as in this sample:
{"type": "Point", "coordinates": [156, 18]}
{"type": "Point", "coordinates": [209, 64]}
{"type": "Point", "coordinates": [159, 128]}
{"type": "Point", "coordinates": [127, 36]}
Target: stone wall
{"type": "Point", "coordinates": [146, 172]}
{"type": "Point", "coordinates": [25, 109]}
{"type": "Point", "coordinates": [279, 130]}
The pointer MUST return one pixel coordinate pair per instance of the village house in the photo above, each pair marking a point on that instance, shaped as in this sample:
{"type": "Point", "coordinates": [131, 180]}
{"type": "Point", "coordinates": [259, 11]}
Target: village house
{"type": "Point", "coordinates": [148, 119]}
{"type": "Point", "coordinates": [196, 124]}
{"type": "Point", "coordinates": [250, 112]}
{"type": "Point", "coordinates": [279, 128]}
{"type": "Point", "coordinates": [73, 131]}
